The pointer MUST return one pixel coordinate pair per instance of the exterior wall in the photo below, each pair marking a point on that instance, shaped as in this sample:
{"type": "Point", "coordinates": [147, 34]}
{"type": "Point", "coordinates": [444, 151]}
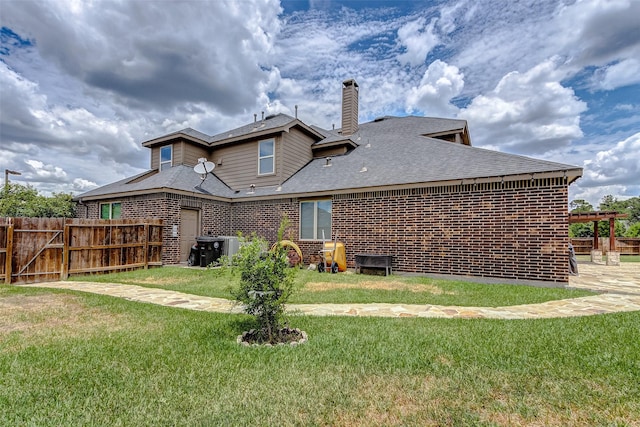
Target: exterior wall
{"type": "Point", "coordinates": [184, 153]}
{"type": "Point", "coordinates": [518, 230]}
{"type": "Point", "coordinates": [296, 152]}
{"type": "Point", "coordinates": [239, 167]}
{"type": "Point", "coordinates": [191, 153]}
{"type": "Point", "coordinates": [155, 158]}
{"type": "Point", "coordinates": [264, 218]}
{"type": "Point", "coordinates": [215, 216]}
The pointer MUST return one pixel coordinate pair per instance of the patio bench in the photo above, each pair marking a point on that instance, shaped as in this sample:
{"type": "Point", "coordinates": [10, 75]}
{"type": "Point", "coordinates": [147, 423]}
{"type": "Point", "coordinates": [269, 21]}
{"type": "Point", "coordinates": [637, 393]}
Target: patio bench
{"type": "Point", "coordinates": [373, 261]}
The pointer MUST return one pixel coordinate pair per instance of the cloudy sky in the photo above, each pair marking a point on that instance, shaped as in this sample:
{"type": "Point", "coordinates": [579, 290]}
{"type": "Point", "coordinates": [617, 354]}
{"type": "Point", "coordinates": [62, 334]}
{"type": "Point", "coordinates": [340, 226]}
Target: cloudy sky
{"type": "Point", "coordinates": [84, 83]}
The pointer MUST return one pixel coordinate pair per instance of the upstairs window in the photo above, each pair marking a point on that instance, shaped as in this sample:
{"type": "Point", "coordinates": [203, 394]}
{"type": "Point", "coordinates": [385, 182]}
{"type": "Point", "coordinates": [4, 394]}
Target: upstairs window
{"type": "Point", "coordinates": [315, 218]}
{"type": "Point", "coordinates": [110, 210]}
{"type": "Point", "coordinates": [166, 157]}
{"type": "Point", "coordinates": [266, 157]}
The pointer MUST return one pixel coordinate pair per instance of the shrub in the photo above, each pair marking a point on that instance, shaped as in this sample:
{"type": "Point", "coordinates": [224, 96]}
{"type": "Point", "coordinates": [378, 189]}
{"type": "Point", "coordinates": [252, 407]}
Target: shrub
{"type": "Point", "coordinates": [266, 283]}
{"type": "Point", "coordinates": [633, 231]}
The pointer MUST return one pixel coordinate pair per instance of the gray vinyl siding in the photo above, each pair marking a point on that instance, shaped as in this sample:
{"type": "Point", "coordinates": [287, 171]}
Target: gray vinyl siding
{"type": "Point", "coordinates": [239, 168]}
{"type": "Point", "coordinates": [296, 152]}
{"type": "Point", "coordinates": [155, 158]}
{"type": "Point", "coordinates": [192, 153]}
{"type": "Point", "coordinates": [178, 150]}
{"type": "Point", "coordinates": [184, 153]}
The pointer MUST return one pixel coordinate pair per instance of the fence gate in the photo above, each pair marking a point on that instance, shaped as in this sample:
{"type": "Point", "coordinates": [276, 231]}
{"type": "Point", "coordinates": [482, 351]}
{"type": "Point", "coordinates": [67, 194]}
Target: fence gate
{"type": "Point", "coordinates": [44, 249]}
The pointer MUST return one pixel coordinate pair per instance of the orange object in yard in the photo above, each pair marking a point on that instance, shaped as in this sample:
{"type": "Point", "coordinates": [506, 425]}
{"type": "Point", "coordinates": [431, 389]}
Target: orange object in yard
{"type": "Point", "coordinates": [340, 255]}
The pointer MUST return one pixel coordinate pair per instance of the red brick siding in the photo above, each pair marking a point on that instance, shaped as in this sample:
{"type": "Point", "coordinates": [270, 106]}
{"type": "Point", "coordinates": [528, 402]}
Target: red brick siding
{"type": "Point", "coordinates": [215, 216]}
{"type": "Point", "coordinates": [509, 233]}
{"type": "Point", "coordinates": [515, 230]}
{"type": "Point", "coordinates": [264, 218]}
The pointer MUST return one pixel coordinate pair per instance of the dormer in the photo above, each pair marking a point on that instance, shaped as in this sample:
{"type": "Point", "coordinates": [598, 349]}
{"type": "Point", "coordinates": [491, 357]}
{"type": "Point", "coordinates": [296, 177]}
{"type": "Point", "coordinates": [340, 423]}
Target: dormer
{"type": "Point", "coordinates": [458, 136]}
{"type": "Point", "coordinates": [264, 153]}
{"type": "Point", "coordinates": [184, 147]}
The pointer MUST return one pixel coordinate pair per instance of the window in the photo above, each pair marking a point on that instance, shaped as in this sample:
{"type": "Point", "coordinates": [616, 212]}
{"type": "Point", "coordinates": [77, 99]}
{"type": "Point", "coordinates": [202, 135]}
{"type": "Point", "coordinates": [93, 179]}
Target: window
{"type": "Point", "coordinates": [266, 157]}
{"type": "Point", "coordinates": [166, 156]}
{"type": "Point", "coordinates": [315, 217]}
{"type": "Point", "coordinates": [110, 210]}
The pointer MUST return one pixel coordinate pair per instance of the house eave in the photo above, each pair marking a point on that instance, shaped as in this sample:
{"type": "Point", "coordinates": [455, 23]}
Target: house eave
{"type": "Point", "coordinates": [145, 192]}
{"type": "Point", "coordinates": [570, 174]}
{"type": "Point", "coordinates": [261, 133]}
{"type": "Point", "coordinates": [172, 137]}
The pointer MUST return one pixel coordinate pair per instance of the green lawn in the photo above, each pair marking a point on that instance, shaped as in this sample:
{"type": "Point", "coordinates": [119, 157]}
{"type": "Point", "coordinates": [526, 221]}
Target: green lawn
{"type": "Point", "coordinates": [314, 287]}
{"type": "Point", "coordinates": [80, 359]}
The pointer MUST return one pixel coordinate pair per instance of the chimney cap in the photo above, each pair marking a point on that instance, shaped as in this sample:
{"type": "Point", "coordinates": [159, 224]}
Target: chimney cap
{"type": "Point", "coordinates": [350, 82]}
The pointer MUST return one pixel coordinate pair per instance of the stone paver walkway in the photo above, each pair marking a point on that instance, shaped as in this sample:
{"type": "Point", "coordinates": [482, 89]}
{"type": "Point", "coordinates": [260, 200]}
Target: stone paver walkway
{"type": "Point", "coordinates": [621, 285]}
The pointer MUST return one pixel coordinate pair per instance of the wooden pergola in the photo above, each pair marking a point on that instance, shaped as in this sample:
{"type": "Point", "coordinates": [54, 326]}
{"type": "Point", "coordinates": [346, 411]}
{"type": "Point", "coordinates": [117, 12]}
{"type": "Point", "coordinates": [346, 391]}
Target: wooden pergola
{"type": "Point", "coordinates": [575, 217]}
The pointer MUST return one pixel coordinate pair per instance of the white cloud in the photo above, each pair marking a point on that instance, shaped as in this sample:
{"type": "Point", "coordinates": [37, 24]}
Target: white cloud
{"type": "Point", "coordinates": [40, 171]}
{"type": "Point", "coordinates": [440, 83]}
{"type": "Point", "coordinates": [418, 40]}
{"type": "Point", "coordinates": [218, 56]}
{"type": "Point", "coordinates": [613, 171]}
{"type": "Point", "coordinates": [598, 32]}
{"type": "Point", "coordinates": [618, 165]}
{"type": "Point", "coordinates": [623, 73]}
{"type": "Point", "coordinates": [527, 112]}
{"type": "Point", "coordinates": [81, 185]}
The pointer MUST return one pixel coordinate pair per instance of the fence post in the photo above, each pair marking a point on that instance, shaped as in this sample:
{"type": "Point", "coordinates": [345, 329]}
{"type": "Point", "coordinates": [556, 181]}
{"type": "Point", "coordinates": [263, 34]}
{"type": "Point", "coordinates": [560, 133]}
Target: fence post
{"type": "Point", "coordinates": [146, 245]}
{"type": "Point", "coordinates": [9, 255]}
{"type": "Point", "coordinates": [64, 273]}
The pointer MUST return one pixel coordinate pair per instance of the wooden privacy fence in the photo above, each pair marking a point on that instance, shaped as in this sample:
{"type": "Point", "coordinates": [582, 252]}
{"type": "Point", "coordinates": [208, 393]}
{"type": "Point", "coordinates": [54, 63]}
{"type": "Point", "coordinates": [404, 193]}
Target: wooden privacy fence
{"type": "Point", "coordinates": [44, 249]}
{"type": "Point", "coordinates": [624, 245]}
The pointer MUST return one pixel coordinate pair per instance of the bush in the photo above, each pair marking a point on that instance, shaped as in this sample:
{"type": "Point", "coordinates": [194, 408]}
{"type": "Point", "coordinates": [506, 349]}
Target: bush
{"type": "Point", "coordinates": [633, 231]}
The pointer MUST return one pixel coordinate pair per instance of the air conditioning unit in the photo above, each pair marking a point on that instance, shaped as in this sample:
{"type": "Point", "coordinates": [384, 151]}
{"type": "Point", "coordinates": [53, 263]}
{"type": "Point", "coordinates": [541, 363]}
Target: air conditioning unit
{"type": "Point", "coordinates": [231, 245]}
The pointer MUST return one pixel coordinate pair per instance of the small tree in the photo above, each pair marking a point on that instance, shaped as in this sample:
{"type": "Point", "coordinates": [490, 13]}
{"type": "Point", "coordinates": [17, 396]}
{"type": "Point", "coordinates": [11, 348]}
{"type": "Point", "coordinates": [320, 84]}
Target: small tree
{"type": "Point", "coordinates": [266, 283]}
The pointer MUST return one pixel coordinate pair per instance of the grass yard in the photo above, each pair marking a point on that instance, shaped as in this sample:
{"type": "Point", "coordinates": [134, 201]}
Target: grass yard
{"type": "Point", "coordinates": [314, 287]}
{"type": "Point", "coordinates": [80, 359]}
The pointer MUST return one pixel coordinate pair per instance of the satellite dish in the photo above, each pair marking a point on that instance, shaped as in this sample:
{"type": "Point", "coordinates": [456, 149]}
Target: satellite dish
{"type": "Point", "coordinates": [203, 168]}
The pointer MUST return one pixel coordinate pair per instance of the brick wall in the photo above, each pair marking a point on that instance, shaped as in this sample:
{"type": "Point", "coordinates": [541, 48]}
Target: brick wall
{"type": "Point", "coordinates": [515, 230]}
{"type": "Point", "coordinates": [264, 218]}
{"type": "Point", "coordinates": [215, 216]}
{"type": "Point", "coordinates": [511, 230]}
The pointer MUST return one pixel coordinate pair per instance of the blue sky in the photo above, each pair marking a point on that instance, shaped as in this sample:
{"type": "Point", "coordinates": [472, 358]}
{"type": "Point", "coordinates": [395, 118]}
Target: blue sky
{"type": "Point", "coordinates": [83, 84]}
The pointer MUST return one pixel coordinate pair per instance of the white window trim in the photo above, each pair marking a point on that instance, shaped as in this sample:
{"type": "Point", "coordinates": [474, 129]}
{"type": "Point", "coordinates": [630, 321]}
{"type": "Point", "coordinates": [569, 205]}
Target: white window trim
{"type": "Point", "coordinates": [110, 209]}
{"type": "Point", "coordinates": [315, 220]}
{"type": "Point", "coordinates": [170, 161]}
{"type": "Point", "coordinates": [272, 157]}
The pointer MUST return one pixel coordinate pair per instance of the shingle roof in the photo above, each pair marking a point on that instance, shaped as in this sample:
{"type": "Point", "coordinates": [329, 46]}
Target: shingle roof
{"type": "Point", "coordinates": [391, 151]}
{"type": "Point", "coordinates": [180, 178]}
{"type": "Point", "coordinates": [270, 122]}
{"type": "Point", "coordinates": [394, 153]}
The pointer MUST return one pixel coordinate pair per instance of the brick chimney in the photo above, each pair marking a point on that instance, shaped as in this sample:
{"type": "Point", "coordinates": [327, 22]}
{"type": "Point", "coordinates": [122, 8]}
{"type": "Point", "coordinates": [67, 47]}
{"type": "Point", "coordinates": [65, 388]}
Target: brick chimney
{"type": "Point", "coordinates": [349, 107]}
